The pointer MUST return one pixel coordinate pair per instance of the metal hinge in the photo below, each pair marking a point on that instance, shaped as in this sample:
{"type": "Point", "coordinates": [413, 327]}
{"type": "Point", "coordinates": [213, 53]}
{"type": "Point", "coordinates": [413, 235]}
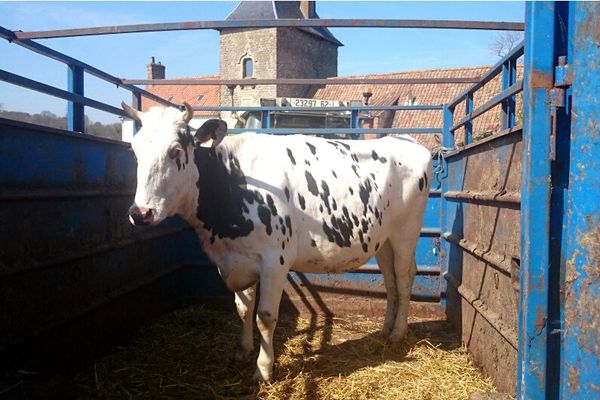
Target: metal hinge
{"type": "Point", "coordinates": [563, 78]}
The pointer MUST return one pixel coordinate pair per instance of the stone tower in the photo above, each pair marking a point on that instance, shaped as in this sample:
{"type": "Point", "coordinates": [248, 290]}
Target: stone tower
{"type": "Point", "coordinates": [275, 52]}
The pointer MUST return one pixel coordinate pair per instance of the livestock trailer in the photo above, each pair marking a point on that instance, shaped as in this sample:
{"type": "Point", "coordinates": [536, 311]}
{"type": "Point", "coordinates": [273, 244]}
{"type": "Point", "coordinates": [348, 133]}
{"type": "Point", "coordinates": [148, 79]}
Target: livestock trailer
{"type": "Point", "coordinates": [508, 250]}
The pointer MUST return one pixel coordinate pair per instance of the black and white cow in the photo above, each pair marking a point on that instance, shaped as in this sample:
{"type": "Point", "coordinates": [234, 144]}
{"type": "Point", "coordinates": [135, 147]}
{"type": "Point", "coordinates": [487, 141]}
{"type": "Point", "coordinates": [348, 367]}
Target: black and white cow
{"type": "Point", "coordinates": [264, 205]}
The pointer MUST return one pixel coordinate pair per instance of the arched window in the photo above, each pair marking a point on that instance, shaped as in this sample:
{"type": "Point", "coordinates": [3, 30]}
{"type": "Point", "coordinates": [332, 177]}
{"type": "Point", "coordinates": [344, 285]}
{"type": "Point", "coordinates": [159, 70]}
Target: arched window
{"type": "Point", "coordinates": [248, 68]}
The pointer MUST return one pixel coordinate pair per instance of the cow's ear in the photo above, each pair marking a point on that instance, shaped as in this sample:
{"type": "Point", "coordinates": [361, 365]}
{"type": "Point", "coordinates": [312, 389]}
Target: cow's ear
{"type": "Point", "coordinates": [211, 133]}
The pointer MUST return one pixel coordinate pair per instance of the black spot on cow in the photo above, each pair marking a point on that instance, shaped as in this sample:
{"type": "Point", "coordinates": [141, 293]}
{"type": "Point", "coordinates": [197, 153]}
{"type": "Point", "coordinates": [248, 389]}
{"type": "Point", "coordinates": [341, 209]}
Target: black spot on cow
{"type": "Point", "coordinates": [307, 162]}
{"type": "Point", "coordinates": [288, 223]}
{"type": "Point", "coordinates": [365, 225]}
{"type": "Point", "coordinates": [312, 148]}
{"type": "Point", "coordinates": [291, 156]}
{"type": "Point", "coordinates": [312, 184]}
{"type": "Point", "coordinates": [340, 231]}
{"type": "Point", "coordinates": [365, 247]}
{"type": "Point", "coordinates": [347, 146]}
{"type": "Point", "coordinates": [355, 219]}
{"type": "Point", "coordinates": [259, 198]}
{"type": "Point", "coordinates": [287, 193]}
{"type": "Point", "coordinates": [376, 246]}
{"type": "Point", "coordinates": [333, 204]}
{"type": "Point", "coordinates": [276, 227]}
{"type": "Point", "coordinates": [376, 157]}
{"type": "Point", "coordinates": [302, 201]}
{"type": "Point", "coordinates": [421, 182]}
{"type": "Point", "coordinates": [178, 162]}
{"type": "Point", "coordinates": [425, 176]}
{"type": "Point", "coordinates": [282, 245]}
{"type": "Point", "coordinates": [334, 174]}
{"type": "Point", "coordinates": [325, 196]}
{"type": "Point", "coordinates": [354, 157]}
{"type": "Point", "coordinates": [313, 243]}
{"type": "Point", "coordinates": [281, 260]}
{"type": "Point", "coordinates": [321, 208]}
{"type": "Point", "coordinates": [337, 145]}
{"type": "Point", "coordinates": [351, 190]}
{"type": "Point", "coordinates": [372, 175]}
{"type": "Point", "coordinates": [221, 195]}
{"type": "Point", "coordinates": [364, 191]}
{"type": "Point", "coordinates": [355, 169]}
{"type": "Point", "coordinates": [212, 239]}
{"type": "Point", "coordinates": [271, 205]}
{"type": "Point", "coordinates": [265, 217]}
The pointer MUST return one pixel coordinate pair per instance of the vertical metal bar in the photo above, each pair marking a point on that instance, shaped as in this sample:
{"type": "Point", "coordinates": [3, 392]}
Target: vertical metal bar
{"type": "Point", "coordinates": [580, 369]}
{"type": "Point", "coordinates": [75, 111]}
{"type": "Point", "coordinates": [535, 201]}
{"type": "Point", "coordinates": [447, 143]}
{"type": "Point", "coordinates": [469, 125]}
{"type": "Point", "coordinates": [511, 101]}
{"type": "Point", "coordinates": [354, 119]}
{"type": "Point", "coordinates": [266, 119]}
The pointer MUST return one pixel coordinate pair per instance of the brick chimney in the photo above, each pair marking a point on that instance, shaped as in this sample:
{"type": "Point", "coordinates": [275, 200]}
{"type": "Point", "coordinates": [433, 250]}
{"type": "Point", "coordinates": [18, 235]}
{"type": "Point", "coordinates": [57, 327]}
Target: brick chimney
{"type": "Point", "coordinates": [155, 71]}
{"type": "Point", "coordinates": [308, 8]}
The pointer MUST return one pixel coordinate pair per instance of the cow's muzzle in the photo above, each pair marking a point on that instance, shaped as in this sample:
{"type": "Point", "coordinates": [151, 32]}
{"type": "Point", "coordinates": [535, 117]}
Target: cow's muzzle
{"type": "Point", "coordinates": [141, 215]}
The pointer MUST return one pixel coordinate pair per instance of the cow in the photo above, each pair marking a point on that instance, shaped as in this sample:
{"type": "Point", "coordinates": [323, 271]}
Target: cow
{"type": "Point", "coordinates": [265, 205]}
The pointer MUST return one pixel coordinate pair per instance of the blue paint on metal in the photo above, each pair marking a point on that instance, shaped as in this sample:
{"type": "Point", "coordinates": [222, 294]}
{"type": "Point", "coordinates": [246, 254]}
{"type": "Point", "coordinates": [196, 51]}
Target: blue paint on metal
{"type": "Point", "coordinates": [321, 109]}
{"type": "Point", "coordinates": [580, 361]}
{"type": "Point", "coordinates": [265, 120]}
{"type": "Point", "coordinates": [75, 111]}
{"type": "Point", "coordinates": [354, 119]}
{"type": "Point", "coordinates": [469, 124]}
{"type": "Point", "coordinates": [535, 201]}
{"type": "Point", "coordinates": [509, 78]}
{"type": "Point", "coordinates": [337, 131]}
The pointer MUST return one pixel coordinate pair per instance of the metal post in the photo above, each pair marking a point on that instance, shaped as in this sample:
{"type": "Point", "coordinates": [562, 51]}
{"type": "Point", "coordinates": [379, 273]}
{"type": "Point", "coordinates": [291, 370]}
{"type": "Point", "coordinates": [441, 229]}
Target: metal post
{"type": "Point", "coordinates": [354, 119]}
{"type": "Point", "coordinates": [137, 105]}
{"type": "Point", "coordinates": [447, 143]}
{"type": "Point", "coordinates": [535, 201]}
{"type": "Point", "coordinates": [469, 125]}
{"type": "Point", "coordinates": [580, 364]}
{"type": "Point", "coordinates": [509, 77]}
{"type": "Point", "coordinates": [75, 111]}
{"type": "Point", "coordinates": [266, 119]}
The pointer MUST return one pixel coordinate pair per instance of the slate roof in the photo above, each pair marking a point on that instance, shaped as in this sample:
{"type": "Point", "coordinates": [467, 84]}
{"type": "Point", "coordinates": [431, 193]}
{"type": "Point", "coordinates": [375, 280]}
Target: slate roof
{"type": "Point", "coordinates": [269, 10]}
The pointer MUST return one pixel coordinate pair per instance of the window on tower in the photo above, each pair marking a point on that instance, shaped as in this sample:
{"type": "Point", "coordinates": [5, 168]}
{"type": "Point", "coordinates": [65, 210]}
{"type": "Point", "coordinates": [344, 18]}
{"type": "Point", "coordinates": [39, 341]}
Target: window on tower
{"type": "Point", "coordinates": [248, 65]}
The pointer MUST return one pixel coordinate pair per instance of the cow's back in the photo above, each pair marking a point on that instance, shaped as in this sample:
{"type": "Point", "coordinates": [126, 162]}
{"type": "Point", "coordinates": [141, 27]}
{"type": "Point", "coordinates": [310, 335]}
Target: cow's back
{"type": "Point", "coordinates": [333, 203]}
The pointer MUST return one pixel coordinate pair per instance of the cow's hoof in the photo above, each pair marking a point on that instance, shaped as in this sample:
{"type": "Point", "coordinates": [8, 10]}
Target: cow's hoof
{"type": "Point", "coordinates": [243, 354]}
{"type": "Point", "coordinates": [262, 376]}
{"type": "Point", "coordinates": [397, 337]}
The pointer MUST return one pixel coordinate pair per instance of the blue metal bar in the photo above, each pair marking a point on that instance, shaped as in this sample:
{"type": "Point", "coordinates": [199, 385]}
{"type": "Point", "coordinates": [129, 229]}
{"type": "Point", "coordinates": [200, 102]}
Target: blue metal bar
{"type": "Point", "coordinates": [52, 91]}
{"type": "Point", "coordinates": [535, 201]}
{"type": "Point", "coordinates": [55, 55]}
{"type": "Point", "coordinates": [75, 110]}
{"type": "Point", "coordinates": [445, 225]}
{"type": "Point", "coordinates": [275, 23]}
{"type": "Point", "coordinates": [319, 109]}
{"type": "Point", "coordinates": [580, 367]}
{"type": "Point", "coordinates": [299, 81]}
{"type": "Point", "coordinates": [494, 101]}
{"type": "Point", "coordinates": [509, 73]}
{"type": "Point", "coordinates": [491, 74]}
{"type": "Point", "coordinates": [469, 123]}
{"type": "Point", "coordinates": [265, 119]}
{"type": "Point", "coordinates": [354, 122]}
{"type": "Point", "coordinates": [337, 131]}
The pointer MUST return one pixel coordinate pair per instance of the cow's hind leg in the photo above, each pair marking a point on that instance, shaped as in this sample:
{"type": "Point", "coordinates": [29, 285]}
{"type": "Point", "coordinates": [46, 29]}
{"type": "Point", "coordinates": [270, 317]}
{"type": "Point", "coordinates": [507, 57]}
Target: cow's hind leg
{"type": "Point", "coordinates": [405, 269]}
{"type": "Point", "coordinates": [271, 289]}
{"type": "Point", "coordinates": [244, 303]}
{"type": "Point", "coordinates": [385, 260]}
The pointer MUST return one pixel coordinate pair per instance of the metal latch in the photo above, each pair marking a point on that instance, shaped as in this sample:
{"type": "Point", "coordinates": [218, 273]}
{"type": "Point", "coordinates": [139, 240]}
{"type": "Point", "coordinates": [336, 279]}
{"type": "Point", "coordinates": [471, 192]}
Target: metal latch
{"type": "Point", "coordinates": [563, 78]}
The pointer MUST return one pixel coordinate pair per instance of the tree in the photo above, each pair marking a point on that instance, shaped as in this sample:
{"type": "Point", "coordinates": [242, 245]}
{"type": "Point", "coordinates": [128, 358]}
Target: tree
{"type": "Point", "coordinates": [505, 42]}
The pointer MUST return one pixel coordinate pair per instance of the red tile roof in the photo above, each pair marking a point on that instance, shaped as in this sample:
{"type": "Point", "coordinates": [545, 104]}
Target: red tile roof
{"type": "Point", "coordinates": [421, 94]}
{"type": "Point", "coordinates": [195, 95]}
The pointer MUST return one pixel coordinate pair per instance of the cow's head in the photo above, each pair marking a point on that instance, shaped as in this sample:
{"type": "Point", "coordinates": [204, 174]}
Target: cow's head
{"type": "Point", "coordinates": [164, 149]}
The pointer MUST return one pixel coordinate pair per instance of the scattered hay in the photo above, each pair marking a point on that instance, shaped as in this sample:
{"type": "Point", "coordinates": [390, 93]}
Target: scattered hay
{"type": "Point", "coordinates": [188, 354]}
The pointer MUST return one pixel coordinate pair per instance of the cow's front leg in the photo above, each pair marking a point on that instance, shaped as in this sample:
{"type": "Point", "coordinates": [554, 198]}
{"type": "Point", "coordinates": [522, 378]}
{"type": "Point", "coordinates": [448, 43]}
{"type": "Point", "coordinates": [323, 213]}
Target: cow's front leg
{"type": "Point", "coordinates": [272, 281]}
{"type": "Point", "coordinates": [244, 303]}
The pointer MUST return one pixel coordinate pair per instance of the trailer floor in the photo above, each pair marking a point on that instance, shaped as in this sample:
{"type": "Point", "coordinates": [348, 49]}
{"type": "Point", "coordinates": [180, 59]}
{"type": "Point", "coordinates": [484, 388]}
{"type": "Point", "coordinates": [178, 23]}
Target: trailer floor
{"type": "Point", "coordinates": [188, 354]}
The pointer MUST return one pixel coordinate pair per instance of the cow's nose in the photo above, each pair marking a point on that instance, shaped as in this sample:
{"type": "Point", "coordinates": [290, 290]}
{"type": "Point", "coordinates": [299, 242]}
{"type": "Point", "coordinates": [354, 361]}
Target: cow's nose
{"type": "Point", "coordinates": [140, 215]}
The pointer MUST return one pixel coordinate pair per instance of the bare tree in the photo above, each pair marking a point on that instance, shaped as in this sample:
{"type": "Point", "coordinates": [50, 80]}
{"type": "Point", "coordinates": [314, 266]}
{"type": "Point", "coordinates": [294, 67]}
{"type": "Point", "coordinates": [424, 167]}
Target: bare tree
{"type": "Point", "coordinates": [505, 42]}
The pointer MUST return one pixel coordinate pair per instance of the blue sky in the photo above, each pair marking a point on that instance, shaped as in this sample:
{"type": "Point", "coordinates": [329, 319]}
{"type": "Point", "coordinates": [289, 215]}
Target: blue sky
{"type": "Point", "coordinates": [194, 53]}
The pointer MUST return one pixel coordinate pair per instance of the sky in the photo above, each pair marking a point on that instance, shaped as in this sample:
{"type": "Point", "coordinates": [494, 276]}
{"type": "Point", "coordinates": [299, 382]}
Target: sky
{"type": "Point", "coordinates": [196, 53]}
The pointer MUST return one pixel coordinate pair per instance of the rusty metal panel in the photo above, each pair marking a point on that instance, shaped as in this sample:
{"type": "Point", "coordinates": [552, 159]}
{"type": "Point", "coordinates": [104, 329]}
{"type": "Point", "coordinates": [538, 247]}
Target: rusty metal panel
{"type": "Point", "coordinates": [484, 236]}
